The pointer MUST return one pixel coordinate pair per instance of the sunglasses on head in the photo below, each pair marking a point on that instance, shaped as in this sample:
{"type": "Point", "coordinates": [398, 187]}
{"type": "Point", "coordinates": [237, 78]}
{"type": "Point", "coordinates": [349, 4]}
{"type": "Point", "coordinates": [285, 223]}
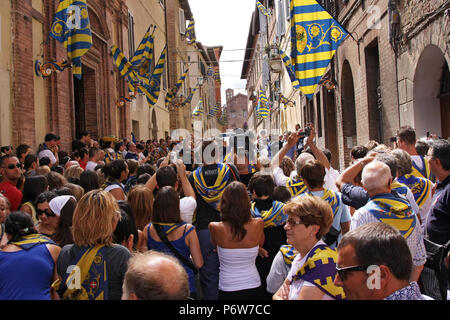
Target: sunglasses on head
{"type": "Point", "coordinates": [12, 166]}
{"type": "Point", "coordinates": [47, 212]}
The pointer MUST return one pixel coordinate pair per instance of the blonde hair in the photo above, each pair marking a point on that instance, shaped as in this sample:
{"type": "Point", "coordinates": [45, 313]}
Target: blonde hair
{"type": "Point", "coordinates": [73, 172]}
{"type": "Point", "coordinates": [95, 217]}
{"type": "Point", "coordinates": [141, 201]}
{"type": "Point", "coordinates": [43, 170]}
{"type": "Point", "coordinates": [311, 210]}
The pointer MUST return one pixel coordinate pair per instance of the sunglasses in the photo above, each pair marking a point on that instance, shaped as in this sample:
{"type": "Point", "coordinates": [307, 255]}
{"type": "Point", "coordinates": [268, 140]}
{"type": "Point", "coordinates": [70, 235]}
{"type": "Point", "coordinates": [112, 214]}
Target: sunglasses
{"type": "Point", "coordinates": [12, 166]}
{"type": "Point", "coordinates": [293, 223]}
{"type": "Point", "coordinates": [47, 212]}
{"type": "Point", "coordinates": [342, 272]}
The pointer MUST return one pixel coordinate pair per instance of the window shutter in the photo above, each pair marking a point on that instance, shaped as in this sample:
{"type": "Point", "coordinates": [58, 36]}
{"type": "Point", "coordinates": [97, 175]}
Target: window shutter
{"type": "Point", "coordinates": [182, 21]}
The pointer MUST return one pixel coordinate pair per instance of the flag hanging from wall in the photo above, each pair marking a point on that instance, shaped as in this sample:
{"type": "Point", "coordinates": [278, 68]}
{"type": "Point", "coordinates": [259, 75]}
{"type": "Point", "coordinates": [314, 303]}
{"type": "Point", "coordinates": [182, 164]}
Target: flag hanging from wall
{"type": "Point", "coordinates": [173, 92]}
{"type": "Point", "coordinates": [198, 109]}
{"type": "Point", "coordinates": [190, 32]}
{"type": "Point", "coordinates": [263, 105]}
{"type": "Point", "coordinates": [71, 27]}
{"type": "Point", "coordinates": [262, 9]}
{"type": "Point", "coordinates": [289, 69]}
{"type": "Point", "coordinates": [315, 37]}
{"type": "Point", "coordinates": [153, 88]}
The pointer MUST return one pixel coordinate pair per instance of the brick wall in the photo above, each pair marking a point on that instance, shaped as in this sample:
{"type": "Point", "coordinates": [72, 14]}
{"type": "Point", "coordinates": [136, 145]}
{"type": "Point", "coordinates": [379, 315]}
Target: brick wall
{"type": "Point", "coordinates": [23, 128]}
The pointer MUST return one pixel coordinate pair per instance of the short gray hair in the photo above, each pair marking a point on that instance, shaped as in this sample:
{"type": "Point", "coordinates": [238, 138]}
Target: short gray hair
{"type": "Point", "coordinates": [404, 163]}
{"type": "Point", "coordinates": [301, 160]}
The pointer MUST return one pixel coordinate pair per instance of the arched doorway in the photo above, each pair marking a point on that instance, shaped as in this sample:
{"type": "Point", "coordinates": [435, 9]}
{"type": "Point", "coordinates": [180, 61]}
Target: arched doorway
{"type": "Point", "coordinates": [432, 93]}
{"type": "Point", "coordinates": [330, 127]}
{"type": "Point", "coordinates": [348, 111]}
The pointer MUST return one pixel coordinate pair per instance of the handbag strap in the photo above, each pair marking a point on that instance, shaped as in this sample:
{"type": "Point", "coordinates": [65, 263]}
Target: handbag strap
{"type": "Point", "coordinates": [166, 241]}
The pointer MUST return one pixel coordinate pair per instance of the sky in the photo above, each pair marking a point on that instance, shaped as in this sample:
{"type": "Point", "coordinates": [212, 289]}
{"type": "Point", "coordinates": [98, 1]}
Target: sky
{"type": "Point", "coordinates": [225, 23]}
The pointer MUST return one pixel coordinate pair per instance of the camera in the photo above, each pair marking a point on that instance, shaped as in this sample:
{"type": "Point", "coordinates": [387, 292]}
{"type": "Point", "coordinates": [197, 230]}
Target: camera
{"type": "Point", "coordinates": [305, 133]}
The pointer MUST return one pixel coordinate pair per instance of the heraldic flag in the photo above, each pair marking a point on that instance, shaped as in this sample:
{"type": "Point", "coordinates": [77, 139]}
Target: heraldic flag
{"type": "Point", "coordinates": [315, 37]}
{"type": "Point", "coordinates": [72, 28]}
{"type": "Point", "coordinates": [153, 88]}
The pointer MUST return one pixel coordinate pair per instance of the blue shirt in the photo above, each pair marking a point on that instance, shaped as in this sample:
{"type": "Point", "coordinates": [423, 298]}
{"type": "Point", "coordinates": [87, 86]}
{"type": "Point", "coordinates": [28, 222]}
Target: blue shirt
{"type": "Point", "coordinates": [182, 248]}
{"type": "Point", "coordinates": [410, 292]}
{"type": "Point", "coordinates": [342, 215]}
{"type": "Point", "coordinates": [26, 274]}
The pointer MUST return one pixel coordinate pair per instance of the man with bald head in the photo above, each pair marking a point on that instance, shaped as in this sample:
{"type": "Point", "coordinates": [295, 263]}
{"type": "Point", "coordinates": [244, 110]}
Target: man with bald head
{"type": "Point", "coordinates": [384, 206]}
{"type": "Point", "coordinates": [155, 276]}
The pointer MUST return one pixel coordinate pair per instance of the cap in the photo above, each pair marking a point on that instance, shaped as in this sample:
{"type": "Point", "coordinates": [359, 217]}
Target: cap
{"type": "Point", "coordinates": [50, 137]}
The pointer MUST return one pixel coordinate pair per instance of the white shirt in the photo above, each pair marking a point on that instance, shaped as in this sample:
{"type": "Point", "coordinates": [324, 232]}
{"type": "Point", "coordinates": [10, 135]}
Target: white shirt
{"type": "Point", "coordinates": [414, 241]}
{"type": "Point", "coordinates": [237, 269]}
{"type": "Point", "coordinates": [90, 166]}
{"type": "Point", "coordinates": [297, 285]}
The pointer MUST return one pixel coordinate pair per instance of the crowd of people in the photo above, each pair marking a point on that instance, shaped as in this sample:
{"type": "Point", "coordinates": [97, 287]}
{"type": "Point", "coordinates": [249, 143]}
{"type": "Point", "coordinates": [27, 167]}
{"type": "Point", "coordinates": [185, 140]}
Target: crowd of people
{"type": "Point", "coordinates": [120, 219]}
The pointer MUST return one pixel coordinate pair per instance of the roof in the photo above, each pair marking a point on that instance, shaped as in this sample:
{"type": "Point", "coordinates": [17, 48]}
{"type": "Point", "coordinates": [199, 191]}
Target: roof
{"type": "Point", "coordinates": [250, 48]}
{"type": "Point", "coordinates": [184, 4]}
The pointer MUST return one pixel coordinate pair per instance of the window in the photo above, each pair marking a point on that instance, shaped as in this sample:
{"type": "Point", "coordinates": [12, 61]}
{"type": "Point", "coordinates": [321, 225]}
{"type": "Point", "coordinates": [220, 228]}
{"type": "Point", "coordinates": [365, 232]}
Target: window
{"type": "Point", "coordinates": [288, 9]}
{"type": "Point", "coordinates": [182, 20]}
{"type": "Point", "coordinates": [131, 47]}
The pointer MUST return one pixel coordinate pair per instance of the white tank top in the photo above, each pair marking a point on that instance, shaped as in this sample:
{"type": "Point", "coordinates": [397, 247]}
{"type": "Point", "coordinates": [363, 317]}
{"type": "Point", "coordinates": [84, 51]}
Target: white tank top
{"type": "Point", "coordinates": [237, 269]}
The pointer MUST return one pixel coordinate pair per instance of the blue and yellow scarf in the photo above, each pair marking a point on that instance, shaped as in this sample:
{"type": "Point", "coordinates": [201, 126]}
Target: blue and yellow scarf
{"type": "Point", "coordinates": [212, 194]}
{"type": "Point", "coordinates": [90, 272]}
{"type": "Point", "coordinates": [320, 270]}
{"type": "Point", "coordinates": [400, 188]}
{"type": "Point", "coordinates": [288, 253]}
{"type": "Point", "coordinates": [394, 211]}
{"type": "Point", "coordinates": [331, 197]}
{"type": "Point", "coordinates": [420, 187]}
{"type": "Point", "coordinates": [29, 241]}
{"type": "Point", "coordinates": [421, 173]}
{"type": "Point", "coordinates": [273, 217]}
{"type": "Point", "coordinates": [167, 228]}
{"type": "Point", "coordinates": [296, 187]}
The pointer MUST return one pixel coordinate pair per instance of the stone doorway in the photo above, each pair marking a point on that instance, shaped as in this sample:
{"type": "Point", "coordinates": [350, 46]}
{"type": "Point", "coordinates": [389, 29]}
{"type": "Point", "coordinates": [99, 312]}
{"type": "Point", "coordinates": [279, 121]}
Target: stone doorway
{"type": "Point", "coordinates": [431, 93]}
{"type": "Point", "coordinates": [348, 111]}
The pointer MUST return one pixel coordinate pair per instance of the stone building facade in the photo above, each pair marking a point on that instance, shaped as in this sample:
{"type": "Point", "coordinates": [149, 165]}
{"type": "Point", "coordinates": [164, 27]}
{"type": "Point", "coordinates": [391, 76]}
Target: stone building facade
{"type": "Point", "coordinates": [32, 106]}
{"type": "Point", "coordinates": [392, 70]}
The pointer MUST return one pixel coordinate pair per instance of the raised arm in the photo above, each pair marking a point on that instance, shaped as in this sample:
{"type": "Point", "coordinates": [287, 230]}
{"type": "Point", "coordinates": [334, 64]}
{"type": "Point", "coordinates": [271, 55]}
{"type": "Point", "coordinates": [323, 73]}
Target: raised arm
{"type": "Point", "coordinates": [292, 140]}
{"type": "Point", "coordinates": [318, 154]}
{"type": "Point", "coordinates": [349, 174]}
{"type": "Point", "coordinates": [187, 187]}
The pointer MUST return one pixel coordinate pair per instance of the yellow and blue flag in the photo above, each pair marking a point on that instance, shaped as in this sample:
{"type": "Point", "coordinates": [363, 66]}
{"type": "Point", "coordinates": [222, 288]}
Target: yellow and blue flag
{"type": "Point", "coordinates": [263, 106]}
{"type": "Point", "coordinates": [120, 61]}
{"type": "Point", "coordinates": [191, 95]}
{"type": "Point", "coordinates": [284, 100]}
{"type": "Point", "coordinates": [214, 111]}
{"type": "Point", "coordinates": [198, 109]}
{"type": "Point", "coordinates": [289, 69]}
{"type": "Point", "coordinates": [152, 89]}
{"type": "Point", "coordinates": [262, 9]}
{"type": "Point", "coordinates": [173, 92]}
{"type": "Point", "coordinates": [143, 57]}
{"type": "Point", "coordinates": [315, 37]}
{"type": "Point", "coordinates": [217, 76]}
{"type": "Point", "coordinates": [71, 27]}
{"type": "Point", "coordinates": [190, 32]}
